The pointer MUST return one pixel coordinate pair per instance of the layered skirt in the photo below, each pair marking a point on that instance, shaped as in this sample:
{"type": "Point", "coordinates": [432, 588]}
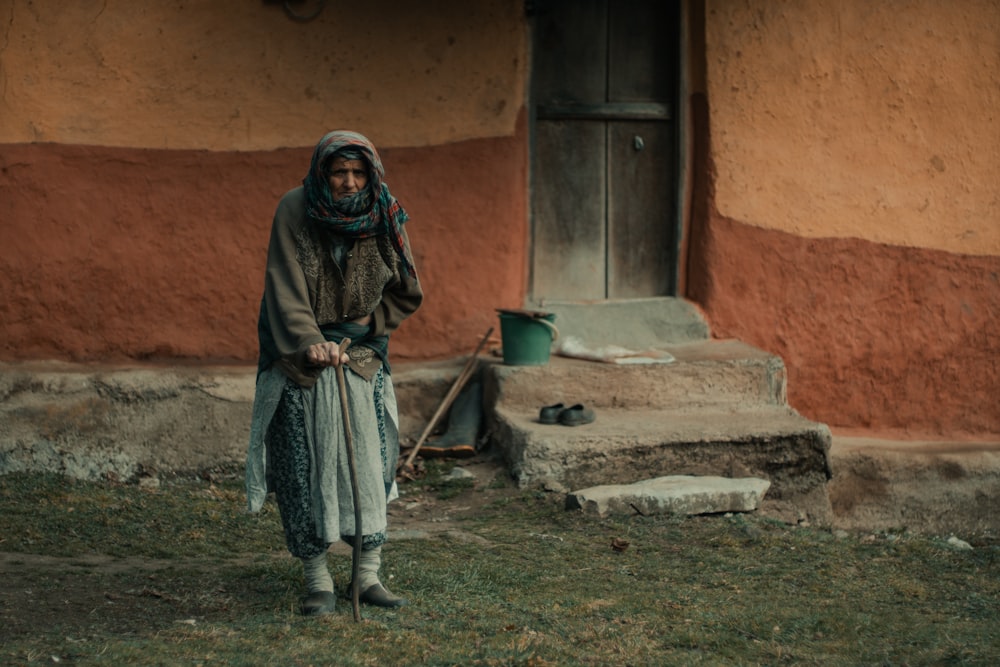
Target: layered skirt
{"type": "Point", "coordinates": [298, 450]}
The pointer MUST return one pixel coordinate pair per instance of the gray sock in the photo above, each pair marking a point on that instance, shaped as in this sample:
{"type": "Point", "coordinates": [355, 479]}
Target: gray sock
{"type": "Point", "coordinates": [317, 574]}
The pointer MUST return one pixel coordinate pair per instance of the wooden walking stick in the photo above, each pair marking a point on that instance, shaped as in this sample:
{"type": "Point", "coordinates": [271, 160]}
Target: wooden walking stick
{"type": "Point", "coordinates": [355, 494]}
{"type": "Point", "coordinates": [449, 398]}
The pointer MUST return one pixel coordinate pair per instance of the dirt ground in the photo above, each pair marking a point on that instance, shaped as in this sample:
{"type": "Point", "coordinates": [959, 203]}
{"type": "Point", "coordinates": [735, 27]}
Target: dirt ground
{"type": "Point", "coordinates": [82, 598]}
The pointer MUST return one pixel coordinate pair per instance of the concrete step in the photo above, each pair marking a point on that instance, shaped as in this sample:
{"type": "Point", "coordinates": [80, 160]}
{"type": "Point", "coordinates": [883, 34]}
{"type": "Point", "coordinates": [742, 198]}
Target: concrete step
{"type": "Point", "coordinates": [720, 408]}
{"type": "Point", "coordinates": [623, 446]}
{"type": "Point", "coordinates": [705, 375]}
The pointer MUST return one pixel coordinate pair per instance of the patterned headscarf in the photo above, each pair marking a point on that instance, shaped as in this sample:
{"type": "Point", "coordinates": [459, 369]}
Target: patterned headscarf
{"type": "Point", "coordinates": [371, 212]}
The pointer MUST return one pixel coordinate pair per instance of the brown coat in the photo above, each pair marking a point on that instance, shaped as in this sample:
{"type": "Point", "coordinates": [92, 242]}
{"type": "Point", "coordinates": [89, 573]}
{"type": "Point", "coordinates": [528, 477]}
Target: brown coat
{"type": "Point", "coordinates": [304, 287]}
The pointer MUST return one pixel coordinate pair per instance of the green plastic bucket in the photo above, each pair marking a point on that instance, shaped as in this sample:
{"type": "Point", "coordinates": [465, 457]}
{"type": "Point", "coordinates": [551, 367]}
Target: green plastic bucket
{"type": "Point", "coordinates": [527, 337]}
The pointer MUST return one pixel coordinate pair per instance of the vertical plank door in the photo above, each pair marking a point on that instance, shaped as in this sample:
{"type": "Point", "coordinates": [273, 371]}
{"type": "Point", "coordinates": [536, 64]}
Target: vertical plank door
{"type": "Point", "coordinates": [604, 149]}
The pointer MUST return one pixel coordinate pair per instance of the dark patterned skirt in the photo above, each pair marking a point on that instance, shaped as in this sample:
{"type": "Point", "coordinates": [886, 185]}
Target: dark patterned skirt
{"type": "Point", "coordinates": [290, 461]}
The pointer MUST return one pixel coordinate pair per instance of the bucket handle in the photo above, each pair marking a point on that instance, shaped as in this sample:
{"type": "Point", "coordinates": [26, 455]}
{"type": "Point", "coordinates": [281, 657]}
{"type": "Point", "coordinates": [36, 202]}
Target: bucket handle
{"type": "Point", "coordinates": [552, 327]}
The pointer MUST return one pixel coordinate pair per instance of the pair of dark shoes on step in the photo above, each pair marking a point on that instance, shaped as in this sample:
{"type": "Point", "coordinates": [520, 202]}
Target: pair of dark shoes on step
{"type": "Point", "coordinates": [321, 603]}
{"type": "Point", "coordinates": [574, 415]}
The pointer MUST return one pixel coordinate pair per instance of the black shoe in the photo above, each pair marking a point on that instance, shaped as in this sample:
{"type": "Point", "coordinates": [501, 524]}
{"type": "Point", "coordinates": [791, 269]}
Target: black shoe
{"type": "Point", "coordinates": [319, 603]}
{"type": "Point", "coordinates": [576, 415]}
{"type": "Point", "coordinates": [377, 595]}
{"type": "Point", "coordinates": [550, 414]}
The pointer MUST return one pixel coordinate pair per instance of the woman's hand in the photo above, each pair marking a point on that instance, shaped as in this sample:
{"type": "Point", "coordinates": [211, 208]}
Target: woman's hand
{"type": "Point", "coordinates": [325, 354]}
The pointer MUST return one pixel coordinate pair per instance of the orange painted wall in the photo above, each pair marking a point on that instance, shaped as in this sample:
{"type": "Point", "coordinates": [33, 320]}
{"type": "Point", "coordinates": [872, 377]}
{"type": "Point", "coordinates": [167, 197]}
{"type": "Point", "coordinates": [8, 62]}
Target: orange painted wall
{"type": "Point", "coordinates": [238, 75]}
{"type": "Point", "coordinates": [844, 167]}
{"type": "Point", "coordinates": [902, 341]}
{"type": "Point", "coordinates": [113, 254]}
{"type": "Point", "coordinates": [143, 148]}
{"type": "Point", "coordinates": [845, 203]}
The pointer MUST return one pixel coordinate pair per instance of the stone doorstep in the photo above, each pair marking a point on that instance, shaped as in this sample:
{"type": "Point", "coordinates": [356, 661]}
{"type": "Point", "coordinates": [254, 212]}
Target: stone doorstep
{"type": "Point", "coordinates": [624, 446]}
{"type": "Point", "coordinates": [703, 374]}
{"type": "Point", "coordinates": [651, 321]}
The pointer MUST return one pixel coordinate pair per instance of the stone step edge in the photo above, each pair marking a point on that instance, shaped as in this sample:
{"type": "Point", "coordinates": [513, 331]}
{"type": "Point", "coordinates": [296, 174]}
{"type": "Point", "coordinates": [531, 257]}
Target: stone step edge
{"type": "Point", "coordinates": [781, 446]}
{"type": "Point", "coordinates": [707, 381]}
{"type": "Point", "coordinates": [645, 427]}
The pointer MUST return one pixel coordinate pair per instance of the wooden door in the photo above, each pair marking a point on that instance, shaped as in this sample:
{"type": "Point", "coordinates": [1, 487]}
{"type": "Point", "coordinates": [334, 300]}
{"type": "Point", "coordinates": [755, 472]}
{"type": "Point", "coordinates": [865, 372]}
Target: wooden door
{"type": "Point", "coordinates": [604, 149]}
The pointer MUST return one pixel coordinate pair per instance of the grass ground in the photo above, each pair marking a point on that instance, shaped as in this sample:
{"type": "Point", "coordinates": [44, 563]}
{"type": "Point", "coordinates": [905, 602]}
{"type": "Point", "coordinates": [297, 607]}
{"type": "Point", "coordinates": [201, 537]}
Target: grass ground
{"type": "Point", "coordinates": [180, 574]}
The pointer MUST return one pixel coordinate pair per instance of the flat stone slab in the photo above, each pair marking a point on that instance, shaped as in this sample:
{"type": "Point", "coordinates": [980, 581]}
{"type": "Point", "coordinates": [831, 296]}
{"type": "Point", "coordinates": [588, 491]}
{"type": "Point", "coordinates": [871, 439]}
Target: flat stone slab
{"type": "Point", "coordinates": [673, 494]}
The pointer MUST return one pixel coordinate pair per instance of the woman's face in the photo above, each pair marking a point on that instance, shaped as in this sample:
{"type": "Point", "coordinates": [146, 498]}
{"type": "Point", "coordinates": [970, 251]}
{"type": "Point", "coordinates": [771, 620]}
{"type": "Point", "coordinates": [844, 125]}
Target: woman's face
{"type": "Point", "coordinates": [347, 177]}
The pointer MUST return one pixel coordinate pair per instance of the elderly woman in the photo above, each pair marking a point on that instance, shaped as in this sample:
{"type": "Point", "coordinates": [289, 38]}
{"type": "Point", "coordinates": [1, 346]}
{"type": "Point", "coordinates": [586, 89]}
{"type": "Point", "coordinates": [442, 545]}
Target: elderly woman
{"type": "Point", "coordinates": [339, 266]}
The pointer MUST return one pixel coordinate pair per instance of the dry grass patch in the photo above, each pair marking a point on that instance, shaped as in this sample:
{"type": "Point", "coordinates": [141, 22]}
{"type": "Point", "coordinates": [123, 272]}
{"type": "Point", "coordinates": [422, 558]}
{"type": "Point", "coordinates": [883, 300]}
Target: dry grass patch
{"type": "Point", "coordinates": [181, 574]}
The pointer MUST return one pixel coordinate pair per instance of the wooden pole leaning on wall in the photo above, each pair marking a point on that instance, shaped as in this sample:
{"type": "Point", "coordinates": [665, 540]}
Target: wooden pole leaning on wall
{"type": "Point", "coordinates": [456, 387]}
